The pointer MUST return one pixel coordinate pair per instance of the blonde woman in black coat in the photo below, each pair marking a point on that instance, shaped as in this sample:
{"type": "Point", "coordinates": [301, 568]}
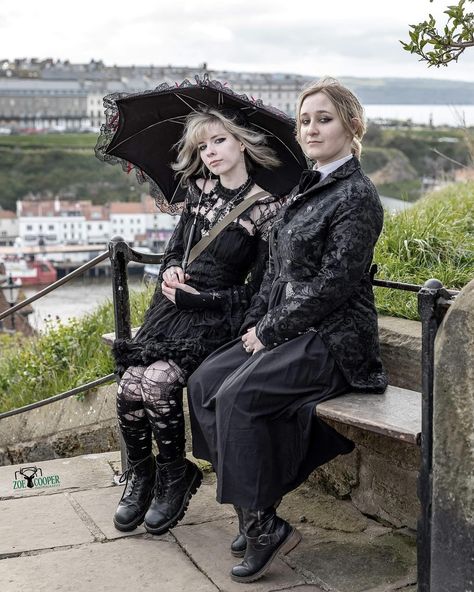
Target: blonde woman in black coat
{"type": "Point", "coordinates": [252, 401]}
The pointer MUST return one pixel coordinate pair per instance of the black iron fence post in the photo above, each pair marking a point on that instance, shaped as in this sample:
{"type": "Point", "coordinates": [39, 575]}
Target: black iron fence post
{"type": "Point", "coordinates": [119, 258]}
{"type": "Point", "coordinates": [120, 255]}
{"type": "Point", "coordinates": [432, 305]}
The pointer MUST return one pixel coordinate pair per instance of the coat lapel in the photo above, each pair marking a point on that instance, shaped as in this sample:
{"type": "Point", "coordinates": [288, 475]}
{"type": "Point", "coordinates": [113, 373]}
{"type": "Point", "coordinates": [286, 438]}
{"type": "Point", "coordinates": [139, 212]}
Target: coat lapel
{"type": "Point", "coordinates": [310, 185]}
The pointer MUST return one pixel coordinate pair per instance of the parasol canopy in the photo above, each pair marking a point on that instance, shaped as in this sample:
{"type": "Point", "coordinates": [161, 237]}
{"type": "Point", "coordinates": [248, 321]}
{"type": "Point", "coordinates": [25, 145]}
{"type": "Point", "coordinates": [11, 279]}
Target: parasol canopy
{"type": "Point", "coordinates": [142, 129]}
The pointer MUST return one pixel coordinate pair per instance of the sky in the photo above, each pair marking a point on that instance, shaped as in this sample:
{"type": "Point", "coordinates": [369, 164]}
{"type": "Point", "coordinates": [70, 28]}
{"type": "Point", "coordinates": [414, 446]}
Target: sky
{"type": "Point", "coordinates": [312, 37]}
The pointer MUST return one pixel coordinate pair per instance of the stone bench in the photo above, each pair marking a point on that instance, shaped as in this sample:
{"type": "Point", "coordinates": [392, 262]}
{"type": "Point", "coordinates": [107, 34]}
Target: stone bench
{"type": "Point", "coordinates": [396, 413]}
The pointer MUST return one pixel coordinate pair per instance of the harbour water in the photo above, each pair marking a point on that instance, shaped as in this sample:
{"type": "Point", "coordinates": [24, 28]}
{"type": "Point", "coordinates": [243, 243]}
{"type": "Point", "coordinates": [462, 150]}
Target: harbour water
{"type": "Point", "coordinates": [451, 115]}
{"type": "Point", "coordinates": [74, 299]}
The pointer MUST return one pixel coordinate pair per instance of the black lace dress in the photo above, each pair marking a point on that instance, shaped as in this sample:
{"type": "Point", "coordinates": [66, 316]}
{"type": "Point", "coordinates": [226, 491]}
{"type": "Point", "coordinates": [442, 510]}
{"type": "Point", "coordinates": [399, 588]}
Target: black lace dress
{"type": "Point", "coordinates": [231, 268]}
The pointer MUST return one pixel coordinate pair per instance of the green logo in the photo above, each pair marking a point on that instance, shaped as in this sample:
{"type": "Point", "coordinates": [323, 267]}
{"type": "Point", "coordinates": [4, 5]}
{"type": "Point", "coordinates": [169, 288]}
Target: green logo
{"type": "Point", "coordinates": [29, 477]}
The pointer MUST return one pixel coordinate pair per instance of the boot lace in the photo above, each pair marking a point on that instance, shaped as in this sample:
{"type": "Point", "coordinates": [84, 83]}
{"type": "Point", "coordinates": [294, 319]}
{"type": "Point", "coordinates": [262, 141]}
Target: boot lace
{"type": "Point", "coordinates": [161, 484]}
{"type": "Point", "coordinates": [129, 475]}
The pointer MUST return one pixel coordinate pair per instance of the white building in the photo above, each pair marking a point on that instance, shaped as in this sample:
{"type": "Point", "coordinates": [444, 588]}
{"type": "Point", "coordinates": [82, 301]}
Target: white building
{"type": "Point", "coordinates": [61, 222]}
{"type": "Point", "coordinates": [8, 228]}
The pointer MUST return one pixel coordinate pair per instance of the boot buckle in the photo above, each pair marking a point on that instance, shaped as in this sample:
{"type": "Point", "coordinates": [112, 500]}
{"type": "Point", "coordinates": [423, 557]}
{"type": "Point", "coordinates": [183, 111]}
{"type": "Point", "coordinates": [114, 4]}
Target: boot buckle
{"type": "Point", "coordinates": [263, 539]}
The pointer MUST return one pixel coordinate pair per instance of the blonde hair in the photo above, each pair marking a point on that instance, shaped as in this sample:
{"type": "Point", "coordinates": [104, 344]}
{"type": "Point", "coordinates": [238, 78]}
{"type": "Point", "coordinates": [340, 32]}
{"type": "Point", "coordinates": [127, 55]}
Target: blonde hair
{"type": "Point", "coordinates": [189, 163]}
{"type": "Point", "coordinates": [347, 106]}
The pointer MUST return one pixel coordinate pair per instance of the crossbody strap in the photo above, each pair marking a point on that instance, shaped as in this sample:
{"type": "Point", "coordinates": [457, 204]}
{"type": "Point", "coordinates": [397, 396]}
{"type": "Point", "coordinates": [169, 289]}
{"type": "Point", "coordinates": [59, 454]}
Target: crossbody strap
{"type": "Point", "coordinates": [226, 220]}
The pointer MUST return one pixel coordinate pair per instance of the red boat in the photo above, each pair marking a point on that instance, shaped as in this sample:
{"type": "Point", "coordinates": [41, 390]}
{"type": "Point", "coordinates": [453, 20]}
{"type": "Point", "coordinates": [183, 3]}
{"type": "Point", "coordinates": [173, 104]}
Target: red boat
{"type": "Point", "coordinates": [36, 272]}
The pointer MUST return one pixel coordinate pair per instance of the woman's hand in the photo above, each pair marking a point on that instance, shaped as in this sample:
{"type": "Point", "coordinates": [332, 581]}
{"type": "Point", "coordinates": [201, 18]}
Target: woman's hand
{"type": "Point", "coordinates": [174, 275]}
{"type": "Point", "coordinates": [170, 291]}
{"type": "Point", "coordinates": [251, 342]}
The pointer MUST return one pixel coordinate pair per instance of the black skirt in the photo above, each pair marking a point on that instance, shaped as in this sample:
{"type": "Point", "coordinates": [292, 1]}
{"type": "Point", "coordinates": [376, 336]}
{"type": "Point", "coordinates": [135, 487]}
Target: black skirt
{"type": "Point", "coordinates": [252, 417]}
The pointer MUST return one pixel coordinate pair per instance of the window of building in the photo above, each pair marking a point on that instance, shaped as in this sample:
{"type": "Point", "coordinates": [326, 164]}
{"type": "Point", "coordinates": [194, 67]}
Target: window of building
{"type": "Point", "coordinates": [29, 227]}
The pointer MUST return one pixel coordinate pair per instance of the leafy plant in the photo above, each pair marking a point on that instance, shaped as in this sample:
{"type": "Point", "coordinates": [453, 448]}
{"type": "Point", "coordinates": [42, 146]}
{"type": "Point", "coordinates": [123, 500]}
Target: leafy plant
{"type": "Point", "coordinates": [439, 47]}
{"type": "Point", "coordinates": [433, 239]}
{"type": "Point", "coordinates": [66, 355]}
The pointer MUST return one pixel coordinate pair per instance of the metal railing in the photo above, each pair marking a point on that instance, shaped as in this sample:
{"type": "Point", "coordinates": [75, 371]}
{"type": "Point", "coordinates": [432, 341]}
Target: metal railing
{"type": "Point", "coordinates": [120, 254]}
{"type": "Point", "coordinates": [14, 309]}
{"type": "Point", "coordinates": [433, 303]}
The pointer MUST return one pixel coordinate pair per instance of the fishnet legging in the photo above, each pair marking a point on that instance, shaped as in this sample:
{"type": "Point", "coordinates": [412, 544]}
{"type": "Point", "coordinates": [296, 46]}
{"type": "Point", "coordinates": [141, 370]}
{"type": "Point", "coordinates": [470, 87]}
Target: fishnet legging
{"type": "Point", "coordinates": [149, 400]}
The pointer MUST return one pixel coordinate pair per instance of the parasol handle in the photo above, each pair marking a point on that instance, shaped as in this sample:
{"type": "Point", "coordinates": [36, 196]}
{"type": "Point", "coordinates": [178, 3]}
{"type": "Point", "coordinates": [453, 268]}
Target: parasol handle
{"type": "Point", "coordinates": [184, 263]}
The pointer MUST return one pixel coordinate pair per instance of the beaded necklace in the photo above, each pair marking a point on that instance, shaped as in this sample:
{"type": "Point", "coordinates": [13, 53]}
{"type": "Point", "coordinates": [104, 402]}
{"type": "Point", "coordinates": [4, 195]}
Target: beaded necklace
{"type": "Point", "coordinates": [228, 194]}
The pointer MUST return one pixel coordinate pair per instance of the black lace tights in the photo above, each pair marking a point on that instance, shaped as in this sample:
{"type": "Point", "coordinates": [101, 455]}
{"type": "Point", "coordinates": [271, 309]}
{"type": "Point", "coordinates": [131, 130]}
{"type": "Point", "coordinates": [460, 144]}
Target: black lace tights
{"type": "Point", "coordinates": [149, 400]}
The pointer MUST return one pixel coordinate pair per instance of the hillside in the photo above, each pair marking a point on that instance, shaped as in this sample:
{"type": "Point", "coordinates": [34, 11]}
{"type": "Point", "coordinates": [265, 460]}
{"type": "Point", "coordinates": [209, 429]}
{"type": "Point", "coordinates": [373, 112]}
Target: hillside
{"type": "Point", "coordinates": [411, 91]}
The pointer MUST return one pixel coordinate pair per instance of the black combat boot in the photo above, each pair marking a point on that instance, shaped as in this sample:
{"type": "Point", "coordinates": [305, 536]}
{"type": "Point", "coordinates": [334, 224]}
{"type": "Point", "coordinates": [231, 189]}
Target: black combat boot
{"type": "Point", "coordinates": [267, 536]}
{"type": "Point", "coordinates": [176, 482]}
{"type": "Point", "coordinates": [239, 544]}
{"type": "Point", "coordinates": [139, 479]}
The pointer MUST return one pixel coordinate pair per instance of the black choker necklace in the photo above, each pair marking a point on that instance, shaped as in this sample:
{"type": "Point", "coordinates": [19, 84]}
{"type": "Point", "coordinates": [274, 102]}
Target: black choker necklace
{"type": "Point", "coordinates": [226, 193]}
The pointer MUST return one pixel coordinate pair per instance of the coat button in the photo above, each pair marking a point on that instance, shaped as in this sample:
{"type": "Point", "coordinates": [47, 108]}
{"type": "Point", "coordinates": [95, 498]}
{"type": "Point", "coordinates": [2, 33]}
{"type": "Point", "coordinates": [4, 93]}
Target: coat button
{"type": "Point", "coordinates": [289, 231]}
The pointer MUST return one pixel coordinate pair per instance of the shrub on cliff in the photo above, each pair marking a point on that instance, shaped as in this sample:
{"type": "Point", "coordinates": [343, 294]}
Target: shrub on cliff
{"type": "Point", "coordinates": [432, 239]}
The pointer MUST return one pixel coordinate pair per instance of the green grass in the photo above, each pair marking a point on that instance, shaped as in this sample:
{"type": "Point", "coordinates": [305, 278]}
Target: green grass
{"type": "Point", "coordinates": [65, 356]}
{"type": "Point", "coordinates": [73, 173]}
{"type": "Point", "coordinates": [55, 141]}
{"type": "Point", "coordinates": [434, 238]}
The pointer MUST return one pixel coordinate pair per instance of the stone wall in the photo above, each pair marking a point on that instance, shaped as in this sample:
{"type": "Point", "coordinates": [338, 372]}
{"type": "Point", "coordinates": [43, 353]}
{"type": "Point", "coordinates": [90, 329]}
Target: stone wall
{"type": "Point", "coordinates": [61, 429]}
{"type": "Point", "coordinates": [379, 476]}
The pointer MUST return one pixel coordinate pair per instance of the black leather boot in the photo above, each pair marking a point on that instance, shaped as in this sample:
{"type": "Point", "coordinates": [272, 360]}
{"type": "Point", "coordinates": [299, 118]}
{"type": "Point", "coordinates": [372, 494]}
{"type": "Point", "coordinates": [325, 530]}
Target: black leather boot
{"type": "Point", "coordinates": [267, 536]}
{"type": "Point", "coordinates": [176, 482]}
{"type": "Point", "coordinates": [239, 544]}
{"type": "Point", "coordinates": [139, 479]}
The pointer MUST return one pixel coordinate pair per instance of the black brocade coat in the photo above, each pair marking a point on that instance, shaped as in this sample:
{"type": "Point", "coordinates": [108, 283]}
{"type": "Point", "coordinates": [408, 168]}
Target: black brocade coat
{"type": "Point", "coordinates": [232, 267]}
{"type": "Point", "coordinates": [321, 250]}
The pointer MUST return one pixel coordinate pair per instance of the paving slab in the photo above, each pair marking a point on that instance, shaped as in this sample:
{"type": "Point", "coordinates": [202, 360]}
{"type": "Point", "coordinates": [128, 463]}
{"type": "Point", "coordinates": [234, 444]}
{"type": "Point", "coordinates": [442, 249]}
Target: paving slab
{"type": "Point", "coordinates": [304, 588]}
{"type": "Point", "coordinates": [322, 510]}
{"type": "Point", "coordinates": [356, 566]}
{"type": "Point", "coordinates": [78, 472]}
{"type": "Point", "coordinates": [204, 507]}
{"type": "Point", "coordinates": [100, 505]}
{"type": "Point", "coordinates": [126, 565]}
{"type": "Point", "coordinates": [208, 546]}
{"type": "Point", "coordinates": [40, 523]}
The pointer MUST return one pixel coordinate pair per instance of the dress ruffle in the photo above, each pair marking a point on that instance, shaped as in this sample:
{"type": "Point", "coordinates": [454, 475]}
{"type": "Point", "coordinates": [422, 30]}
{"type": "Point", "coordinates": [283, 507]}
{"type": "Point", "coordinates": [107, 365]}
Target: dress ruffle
{"type": "Point", "coordinates": [186, 353]}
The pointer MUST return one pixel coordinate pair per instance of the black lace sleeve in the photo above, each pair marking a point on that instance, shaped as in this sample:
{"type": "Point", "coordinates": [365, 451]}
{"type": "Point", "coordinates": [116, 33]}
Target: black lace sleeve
{"type": "Point", "coordinates": [173, 255]}
{"type": "Point", "coordinates": [174, 252]}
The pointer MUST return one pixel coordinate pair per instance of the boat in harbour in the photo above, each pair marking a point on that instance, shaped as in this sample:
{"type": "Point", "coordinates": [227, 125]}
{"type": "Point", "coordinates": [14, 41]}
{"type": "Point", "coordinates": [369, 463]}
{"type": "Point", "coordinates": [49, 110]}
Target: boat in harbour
{"type": "Point", "coordinates": [31, 272]}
